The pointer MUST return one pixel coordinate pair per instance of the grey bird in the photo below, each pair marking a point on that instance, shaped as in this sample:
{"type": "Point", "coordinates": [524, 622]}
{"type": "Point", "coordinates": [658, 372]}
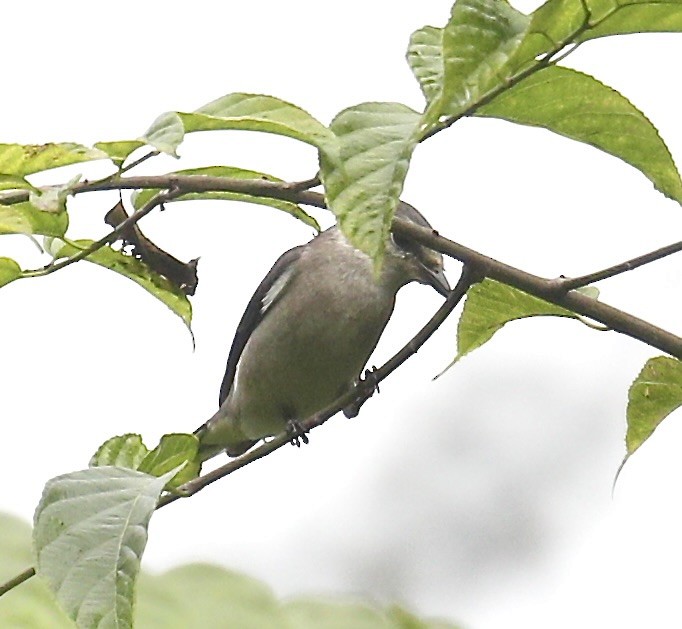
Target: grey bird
{"type": "Point", "coordinates": [308, 332]}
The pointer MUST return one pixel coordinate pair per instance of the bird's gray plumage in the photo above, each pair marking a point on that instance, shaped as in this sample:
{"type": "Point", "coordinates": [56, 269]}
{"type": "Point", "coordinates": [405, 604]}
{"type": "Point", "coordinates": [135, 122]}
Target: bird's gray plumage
{"type": "Point", "coordinates": [308, 331]}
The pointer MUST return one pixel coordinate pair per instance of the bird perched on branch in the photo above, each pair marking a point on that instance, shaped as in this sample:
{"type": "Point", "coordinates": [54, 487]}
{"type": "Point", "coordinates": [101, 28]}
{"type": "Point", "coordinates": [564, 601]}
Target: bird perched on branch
{"type": "Point", "coordinates": [308, 332]}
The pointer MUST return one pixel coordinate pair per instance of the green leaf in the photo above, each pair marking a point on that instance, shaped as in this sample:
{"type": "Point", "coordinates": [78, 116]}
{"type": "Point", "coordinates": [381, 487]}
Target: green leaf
{"type": "Point", "coordinates": [489, 305]}
{"type": "Point", "coordinates": [133, 269]}
{"type": "Point", "coordinates": [21, 160]}
{"type": "Point", "coordinates": [250, 112]}
{"type": "Point", "coordinates": [425, 58]}
{"type": "Point", "coordinates": [25, 218]}
{"type": "Point", "coordinates": [655, 393]}
{"type": "Point", "coordinates": [90, 530]}
{"type": "Point", "coordinates": [141, 197]}
{"type": "Point", "coordinates": [581, 108]}
{"type": "Point", "coordinates": [173, 450]}
{"type": "Point", "coordinates": [365, 178]}
{"type": "Point", "coordinates": [12, 182]}
{"type": "Point", "coordinates": [257, 112]}
{"type": "Point", "coordinates": [122, 451]}
{"type": "Point", "coordinates": [617, 17]}
{"type": "Point", "coordinates": [9, 271]}
{"type": "Point", "coordinates": [166, 133]}
{"type": "Point", "coordinates": [477, 44]}
{"type": "Point", "coordinates": [203, 596]}
{"type": "Point", "coordinates": [119, 151]}
{"type": "Point", "coordinates": [194, 596]}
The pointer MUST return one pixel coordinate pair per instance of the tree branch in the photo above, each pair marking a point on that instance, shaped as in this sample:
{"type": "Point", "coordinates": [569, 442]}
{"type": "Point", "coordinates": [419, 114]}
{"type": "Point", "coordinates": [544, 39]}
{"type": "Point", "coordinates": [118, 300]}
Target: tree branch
{"type": "Point", "coordinates": [548, 289]}
{"type": "Point", "coordinates": [571, 283]}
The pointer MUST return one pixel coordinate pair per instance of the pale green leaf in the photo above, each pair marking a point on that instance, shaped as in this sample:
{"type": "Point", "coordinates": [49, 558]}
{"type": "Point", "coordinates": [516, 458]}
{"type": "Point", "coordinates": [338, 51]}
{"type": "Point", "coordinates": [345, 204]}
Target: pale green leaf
{"type": "Point", "coordinates": [655, 393]}
{"type": "Point", "coordinates": [425, 58]}
{"type": "Point", "coordinates": [21, 160]}
{"type": "Point", "coordinates": [53, 198]}
{"type": "Point", "coordinates": [121, 451]}
{"type": "Point", "coordinates": [90, 530]}
{"type": "Point", "coordinates": [257, 112]}
{"type": "Point", "coordinates": [478, 42]}
{"type": "Point", "coordinates": [141, 197]}
{"type": "Point", "coordinates": [119, 151]}
{"type": "Point", "coordinates": [25, 218]}
{"type": "Point", "coordinates": [490, 305]}
{"type": "Point", "coordinates": [166, 133]}
{"type": "Point", "coordinates": [173, 450]}
{"type": "Point", "coordinates": [133, 269]}
{"type": "Point", "coordinates": [364, 180]}
{"type": "Point", "coordinates": [249, 112]}
{"type": "Point", "coordinates": [578, 106]}
{"type": "Point", "coordinates": [9, 271]}
{"type": "Point", "coordinates": [193, 596]}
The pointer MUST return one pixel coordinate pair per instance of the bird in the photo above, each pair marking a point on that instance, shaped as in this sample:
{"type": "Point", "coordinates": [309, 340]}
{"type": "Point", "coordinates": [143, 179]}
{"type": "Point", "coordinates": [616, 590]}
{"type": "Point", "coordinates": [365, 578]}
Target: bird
{"type": "Point", "coordinates": [308, 332]}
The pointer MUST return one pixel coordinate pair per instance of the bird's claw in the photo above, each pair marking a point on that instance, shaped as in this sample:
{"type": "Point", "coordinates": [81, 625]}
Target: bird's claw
{"type": "Point", "coordinates": [296, 433]}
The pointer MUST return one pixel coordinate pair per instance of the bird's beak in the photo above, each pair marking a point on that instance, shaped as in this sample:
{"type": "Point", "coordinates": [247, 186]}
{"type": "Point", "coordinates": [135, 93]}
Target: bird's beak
{"type": "Point", "coordinates": [436, 279]}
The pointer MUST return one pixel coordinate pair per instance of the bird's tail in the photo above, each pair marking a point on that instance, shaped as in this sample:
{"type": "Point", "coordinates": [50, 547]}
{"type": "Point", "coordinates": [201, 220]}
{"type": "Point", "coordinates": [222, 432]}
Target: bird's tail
{"type": "Point", "coordinates": [210, 445]}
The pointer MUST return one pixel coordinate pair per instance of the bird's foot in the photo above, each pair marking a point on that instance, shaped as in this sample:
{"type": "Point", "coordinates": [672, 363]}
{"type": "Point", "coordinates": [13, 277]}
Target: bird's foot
{"type": "Point", "coordinates": [371, 381]}
{"type": "Point", "coordinates": [296, 433]}
{"type": "Point", "coordinates": [370, 385]}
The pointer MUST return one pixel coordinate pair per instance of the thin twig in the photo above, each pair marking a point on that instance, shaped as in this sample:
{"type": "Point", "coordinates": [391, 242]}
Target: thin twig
{"type": "Point", "coordinates": [138, 161]}
{"type": "Point", "coordinates": [113, 235]}
{"type": "Point", "coordinates": [571, 283]}
{"type": "Point", "coordinates": [18, 580]}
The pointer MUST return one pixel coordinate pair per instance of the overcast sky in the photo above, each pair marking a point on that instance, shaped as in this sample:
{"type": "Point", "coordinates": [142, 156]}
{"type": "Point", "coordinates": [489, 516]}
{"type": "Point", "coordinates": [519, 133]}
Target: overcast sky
{"type": "Point", "coordinates": [484, 496]}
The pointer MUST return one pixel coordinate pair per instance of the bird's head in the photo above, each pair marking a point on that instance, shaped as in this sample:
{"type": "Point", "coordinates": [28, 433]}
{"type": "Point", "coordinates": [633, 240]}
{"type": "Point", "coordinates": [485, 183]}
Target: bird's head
{"type": "Point", "coordinates": [416, 262]}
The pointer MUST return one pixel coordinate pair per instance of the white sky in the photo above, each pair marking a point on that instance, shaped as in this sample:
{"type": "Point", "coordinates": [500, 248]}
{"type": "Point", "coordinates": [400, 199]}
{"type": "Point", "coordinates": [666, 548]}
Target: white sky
{"type": "Point", "coordinates": [485, 496]}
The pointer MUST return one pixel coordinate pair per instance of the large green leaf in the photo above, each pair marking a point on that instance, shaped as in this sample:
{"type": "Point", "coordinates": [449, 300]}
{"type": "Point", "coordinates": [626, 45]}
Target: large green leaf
{"type": "Point", "coordinates": [250, 112]}
{"type": "Point", "coordinates": [141, 197]}
{"type": "Point", "coordinates": [364, 180]}
{"type": "Point", "coordinates": [9, 271]}
{"type": "Point", "coordinates": [194, 596]}
{"type": "Point", "coordinates": [21, 160]}
{"type": "Point", "coordinates": [25, 218]}
{"type": "Point", "coordinates": [490, 305]}
{"type": "Point", "coordinates": [90, 531]}
{"type": "Point", "coordinates": [578, 106]}
{"type": "Point", "coordinates": [133, 269]}
{"type": "Point", "coordinates": [655, 393]}
{"type": "Point", "coordinates": [478, 42]}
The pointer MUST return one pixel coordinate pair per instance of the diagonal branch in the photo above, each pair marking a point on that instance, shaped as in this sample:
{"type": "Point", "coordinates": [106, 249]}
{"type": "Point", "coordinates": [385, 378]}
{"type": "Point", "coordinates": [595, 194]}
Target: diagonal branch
{"type": "Point", "coordinates": [571, 283]}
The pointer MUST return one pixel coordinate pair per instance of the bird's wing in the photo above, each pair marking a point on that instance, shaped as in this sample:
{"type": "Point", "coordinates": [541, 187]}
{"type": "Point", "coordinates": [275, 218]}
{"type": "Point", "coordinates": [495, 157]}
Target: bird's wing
{"type": "Point", "coordinates": [262, 300]}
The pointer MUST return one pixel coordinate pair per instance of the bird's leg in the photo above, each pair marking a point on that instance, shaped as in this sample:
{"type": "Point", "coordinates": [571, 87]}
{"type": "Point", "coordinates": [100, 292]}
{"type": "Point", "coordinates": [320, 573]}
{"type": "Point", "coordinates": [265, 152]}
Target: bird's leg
{"type": "Point", "coordinates": [370, 385]}
{"type": "Point", "coordinates": [297, 433]}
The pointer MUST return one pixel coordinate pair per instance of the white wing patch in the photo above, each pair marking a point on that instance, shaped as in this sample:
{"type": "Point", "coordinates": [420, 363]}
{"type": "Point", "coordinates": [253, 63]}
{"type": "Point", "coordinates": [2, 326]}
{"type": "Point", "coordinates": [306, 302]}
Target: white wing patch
{"type": "Point", "coordinates": [275, 291]}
